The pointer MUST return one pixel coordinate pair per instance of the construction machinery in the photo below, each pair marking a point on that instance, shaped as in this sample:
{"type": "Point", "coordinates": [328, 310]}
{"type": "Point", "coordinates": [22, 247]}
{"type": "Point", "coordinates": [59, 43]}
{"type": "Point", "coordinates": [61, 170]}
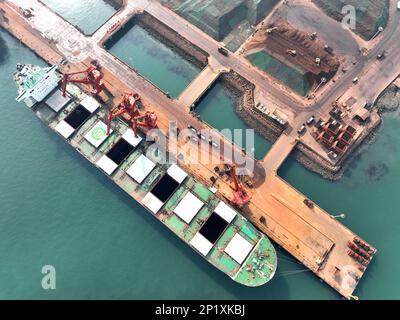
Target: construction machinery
{"type": "Point", "coordinates": [240, 197]}
{"type": "Point", "coordinates": [91, 76]}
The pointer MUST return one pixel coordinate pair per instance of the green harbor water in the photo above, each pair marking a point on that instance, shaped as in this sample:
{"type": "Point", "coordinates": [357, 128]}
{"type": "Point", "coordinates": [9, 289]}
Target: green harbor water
{"type": "Point", "coordinates": [217, 108]}
{"type": "Point", "coordinates": [88, 15]}
{"type": "Point", "coordinates": [57, 209]}
{"type": "Point", "coordinates": [291, 77]}
{"type": "Point", "coordinates": [153, 59]}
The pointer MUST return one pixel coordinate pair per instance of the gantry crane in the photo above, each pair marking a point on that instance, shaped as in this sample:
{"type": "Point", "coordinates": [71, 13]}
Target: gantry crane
{"type": "Point", "coordinates": [129, 106]}
{"type": "Point", "coordinates": [92, 76]}
{"type": "Point", "coordinates": [240, 197]}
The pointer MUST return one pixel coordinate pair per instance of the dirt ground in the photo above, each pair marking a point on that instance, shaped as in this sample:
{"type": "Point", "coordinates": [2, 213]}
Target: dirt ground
{"type": "Point", "coordinates": [279, 37]}
{"type": "Point", "coordinates": [308, 17]}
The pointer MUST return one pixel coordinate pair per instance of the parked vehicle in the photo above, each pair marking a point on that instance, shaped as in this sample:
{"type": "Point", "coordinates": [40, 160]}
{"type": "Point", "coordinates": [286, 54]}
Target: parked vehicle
{"type": "Point", "coordinates": [311, 120]}
{"type": "Point", "coordinates": [332, 155]}
{"type": "Point", "coordinates": [302, 129]}
{"type": "Point", "coordinates": [381, 55]}
{"type": "Point", "coordinates": [223, 51]}
{"type": "Point", "coordinates": [193, 129]}
{"type": "Point", "coordinates": [213, 143]}
{"type": "Point", "coordinates": [201, 136]}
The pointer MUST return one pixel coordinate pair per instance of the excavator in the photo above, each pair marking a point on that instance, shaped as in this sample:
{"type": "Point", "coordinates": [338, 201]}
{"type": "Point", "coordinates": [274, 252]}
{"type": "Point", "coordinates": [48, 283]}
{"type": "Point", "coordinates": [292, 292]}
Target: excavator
{"type": "Point", "coordinates": [129, 106]}
{"type": "Point", "coordinates": [91, 76]}
{"type": "Point", "coordinates": [240, 197]}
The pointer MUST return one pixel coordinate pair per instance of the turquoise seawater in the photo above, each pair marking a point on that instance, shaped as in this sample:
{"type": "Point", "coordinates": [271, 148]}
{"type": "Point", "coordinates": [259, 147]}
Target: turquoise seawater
{"type": "Point", "coordinates": [57, 209]}
{"type": "Point", "coordinates": [88, 15]}
{"type": "Point", "coordinates": [217, 108]}
{"type": "Point", "coordinates": [152, 59]}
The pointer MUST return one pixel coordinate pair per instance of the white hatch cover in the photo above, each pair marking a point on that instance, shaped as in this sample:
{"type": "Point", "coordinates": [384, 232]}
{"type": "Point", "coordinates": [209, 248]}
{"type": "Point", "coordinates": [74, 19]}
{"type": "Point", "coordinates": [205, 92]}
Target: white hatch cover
{"type": "Point", "coordinates": [238, 248]}
{"type": "Point", "coordinates": [152, 203]}
{"type": "Point", "coordinates": [177, 173]}
{"type": "Point", "coordinates": [107, 165]}
{"type": "Point", "coordinates": [90, 104]}
{"type": "Point", "coordinates": [129, 136]}
{"type": "Point", "coordinates": [188, 208]}
{"type": "Point", "coordinates": [141, 168]}
{"type": "Point", "coordinates": [225, 212]}
{"type": "Point", "coordinates": [64, 129]}
{"type": "Point", "coordinates": [201, 244]}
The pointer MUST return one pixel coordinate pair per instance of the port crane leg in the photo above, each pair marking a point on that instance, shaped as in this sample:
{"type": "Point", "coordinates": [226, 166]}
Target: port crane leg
{"type": "Point", "coordinates": [241, 197]}
{"type": "Point", "coordinates": [112, 116]}
{"type": "Point", "coordinates": [129, 105]}
{"type": "Point", "coordinates": [149, 121]}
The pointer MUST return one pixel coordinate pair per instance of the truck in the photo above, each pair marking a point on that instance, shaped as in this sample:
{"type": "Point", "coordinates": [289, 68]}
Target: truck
{"type": "Point", "coordinates": [302, 130]}
{"type": "Point", "coordinates": [382, 54]}
{"type": "Point", "coordinates": [223, 51]}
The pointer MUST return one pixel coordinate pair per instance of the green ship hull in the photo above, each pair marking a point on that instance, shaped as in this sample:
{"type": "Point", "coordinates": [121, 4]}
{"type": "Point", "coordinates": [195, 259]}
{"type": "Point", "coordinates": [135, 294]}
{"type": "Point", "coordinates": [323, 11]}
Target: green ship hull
{"type": "Point", "coordinates": [191, 210]}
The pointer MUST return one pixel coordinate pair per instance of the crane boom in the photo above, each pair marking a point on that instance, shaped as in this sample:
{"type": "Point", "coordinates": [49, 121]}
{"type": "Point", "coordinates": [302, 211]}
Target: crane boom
{"type": "Point", "coordinates": [129, 106]}
{"type": "Point", "coordinates": [91, 76]}
{"type": "Point", "coordinates": [240, 197]}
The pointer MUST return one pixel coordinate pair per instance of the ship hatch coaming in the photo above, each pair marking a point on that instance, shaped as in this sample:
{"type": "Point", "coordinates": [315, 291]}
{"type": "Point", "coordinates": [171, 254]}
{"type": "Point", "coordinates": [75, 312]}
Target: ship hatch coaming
{"type": "Point", "coordinates": [213, 228]}
{"type": "Point", "coordinates": [120, 151]}
{"type": "Point", "coordinates": [165, 188]}
{"type": "Point", "coordinates": [78, 117]}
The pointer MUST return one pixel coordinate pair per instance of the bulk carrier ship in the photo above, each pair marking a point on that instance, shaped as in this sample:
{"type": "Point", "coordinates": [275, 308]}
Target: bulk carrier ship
{"type": "Point", "coordinates": [187, 207]}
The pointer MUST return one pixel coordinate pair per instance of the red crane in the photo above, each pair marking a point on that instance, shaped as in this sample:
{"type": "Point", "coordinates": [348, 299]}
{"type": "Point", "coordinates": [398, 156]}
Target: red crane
{"type": "Point", "coordinates": [240, 197]}
{"type": "Point", "coordinates": [92, 76]}
{"type": "Point", "coordinates": [129, 106]}
{"type": "Point", "coordinates": [148, 120]}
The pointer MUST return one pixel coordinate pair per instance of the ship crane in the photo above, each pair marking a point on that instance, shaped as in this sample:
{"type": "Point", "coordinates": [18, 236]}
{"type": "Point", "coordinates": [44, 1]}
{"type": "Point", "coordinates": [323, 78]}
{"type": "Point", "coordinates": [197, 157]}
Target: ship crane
{"type": "Point", "coordinates": [240, 197]}
{"type": "Point", "coordinates": [91, 76]}
{"type": "Point", "coordinates": [129, 107]}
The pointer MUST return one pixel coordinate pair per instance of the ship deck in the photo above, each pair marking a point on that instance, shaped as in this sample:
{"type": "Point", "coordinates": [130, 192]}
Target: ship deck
{"type": "Point", "coordinates": [262, 269]}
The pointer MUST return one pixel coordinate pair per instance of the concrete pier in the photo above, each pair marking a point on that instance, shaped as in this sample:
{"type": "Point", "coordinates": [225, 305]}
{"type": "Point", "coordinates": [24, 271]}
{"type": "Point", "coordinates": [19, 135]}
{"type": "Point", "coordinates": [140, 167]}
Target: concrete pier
{"type": "Point", "coordinates": [202, 83]}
